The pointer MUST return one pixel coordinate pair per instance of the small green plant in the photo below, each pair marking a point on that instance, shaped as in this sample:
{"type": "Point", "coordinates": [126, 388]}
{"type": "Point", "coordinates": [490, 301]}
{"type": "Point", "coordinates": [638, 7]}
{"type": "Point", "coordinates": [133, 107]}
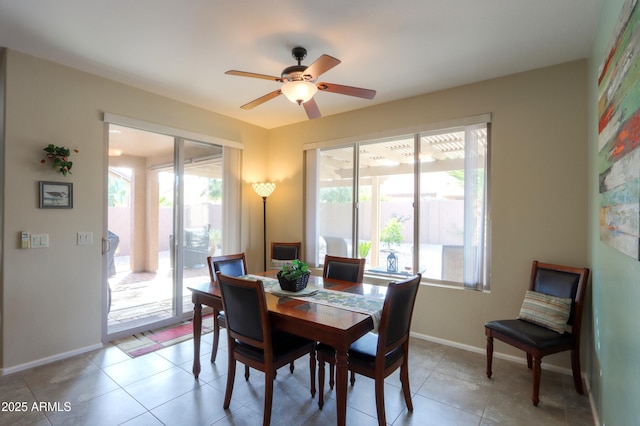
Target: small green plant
{"type": "Point", "coordinates": [215, 238]}
{"type": "Point", "coordinates": [392, 232]}
{"type": "Point", "coordinates": [292, 271]}
{"type": "Point", "coordinates": [117, 191]}
{"type": "Point", "coordinates": [214, 190]}
{"type": "Point", "coordinates": [363, 248]}
{"type": "Point", "coordinates": [59, 156]}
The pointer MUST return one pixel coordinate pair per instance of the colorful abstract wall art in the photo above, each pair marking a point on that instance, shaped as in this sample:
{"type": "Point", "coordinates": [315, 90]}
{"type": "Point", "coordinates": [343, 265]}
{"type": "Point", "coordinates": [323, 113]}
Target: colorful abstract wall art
{"type": "Point", "coordinates": [619, 135]}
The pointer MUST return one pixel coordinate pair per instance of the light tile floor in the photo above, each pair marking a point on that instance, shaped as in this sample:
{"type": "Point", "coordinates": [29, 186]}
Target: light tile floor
{"type": "Point", "coordinates": [449, 387]}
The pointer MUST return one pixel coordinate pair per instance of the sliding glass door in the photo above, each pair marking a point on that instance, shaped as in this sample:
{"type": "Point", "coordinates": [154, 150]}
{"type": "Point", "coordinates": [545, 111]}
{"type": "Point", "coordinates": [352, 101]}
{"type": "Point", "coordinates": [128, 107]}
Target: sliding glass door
{"type": "Point", "coordinates": [164, 219]}
{"type": "Point", "coordinates": [201, 213]}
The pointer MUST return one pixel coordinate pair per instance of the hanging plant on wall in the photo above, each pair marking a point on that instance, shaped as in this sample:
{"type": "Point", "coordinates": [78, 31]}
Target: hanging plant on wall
{"type": "Point", "coordinates": [59, 156]}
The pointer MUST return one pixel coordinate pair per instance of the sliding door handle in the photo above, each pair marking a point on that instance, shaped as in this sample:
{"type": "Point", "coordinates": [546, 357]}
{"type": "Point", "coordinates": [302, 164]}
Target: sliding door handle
{"type": "Point", "coordinates": [106, 245]}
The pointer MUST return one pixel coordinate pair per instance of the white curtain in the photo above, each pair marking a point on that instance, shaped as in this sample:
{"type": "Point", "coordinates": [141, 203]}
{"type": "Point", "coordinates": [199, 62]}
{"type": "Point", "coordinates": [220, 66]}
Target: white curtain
{"type": "Point", "coordinates": [312, 181]}
{"type": "Point", "coordinates": [231, 196]}
{"type": "Point", "coordinates": [475, 168]}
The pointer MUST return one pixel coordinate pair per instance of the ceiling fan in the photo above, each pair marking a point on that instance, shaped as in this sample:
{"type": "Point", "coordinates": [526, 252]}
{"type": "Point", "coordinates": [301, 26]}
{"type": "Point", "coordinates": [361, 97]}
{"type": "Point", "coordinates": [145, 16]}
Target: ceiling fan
{"type": "Point", "coordinates": [300, 83]}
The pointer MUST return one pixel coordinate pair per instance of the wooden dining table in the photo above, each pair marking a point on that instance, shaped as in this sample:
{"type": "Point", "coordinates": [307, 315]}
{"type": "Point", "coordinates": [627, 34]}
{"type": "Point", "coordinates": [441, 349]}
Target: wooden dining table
{"type": "Point", "coordinates": [337, 327]}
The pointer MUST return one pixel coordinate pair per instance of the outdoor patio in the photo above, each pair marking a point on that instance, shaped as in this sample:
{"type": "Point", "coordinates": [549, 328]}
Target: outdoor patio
{"type": "Point", "coordinates": [143, 297]}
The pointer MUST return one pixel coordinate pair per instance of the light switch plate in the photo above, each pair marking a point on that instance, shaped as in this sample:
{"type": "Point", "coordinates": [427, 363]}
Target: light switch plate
{"type": "Point", "coordinates": [85, 238]}
{"type": "Point", "coordinates": [39, 240]}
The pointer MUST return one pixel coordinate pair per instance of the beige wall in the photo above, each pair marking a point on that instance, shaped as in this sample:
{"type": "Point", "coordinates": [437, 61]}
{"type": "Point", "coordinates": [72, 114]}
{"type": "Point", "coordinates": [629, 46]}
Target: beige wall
{"type": "Point", "coordinates": [538, 185]}
{"type": "Point", "coordinates": [51, 296]}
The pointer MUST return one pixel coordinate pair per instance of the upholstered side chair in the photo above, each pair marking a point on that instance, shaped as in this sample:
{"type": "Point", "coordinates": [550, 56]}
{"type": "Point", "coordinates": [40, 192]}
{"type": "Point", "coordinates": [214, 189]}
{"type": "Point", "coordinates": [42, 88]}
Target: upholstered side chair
{"type": "Point", "coordinates": [549, 321]}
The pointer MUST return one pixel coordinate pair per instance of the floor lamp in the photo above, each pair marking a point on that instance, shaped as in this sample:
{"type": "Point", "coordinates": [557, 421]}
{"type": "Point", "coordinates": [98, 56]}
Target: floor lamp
{"type": "Point", "coordinates": [264, 190]}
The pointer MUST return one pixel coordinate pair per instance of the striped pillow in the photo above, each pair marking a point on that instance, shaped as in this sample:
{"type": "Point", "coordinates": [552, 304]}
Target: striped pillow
{"type": "Point", "coordinates": [277, 264]}
{"type": "Point", "coordinates": [547, 311]}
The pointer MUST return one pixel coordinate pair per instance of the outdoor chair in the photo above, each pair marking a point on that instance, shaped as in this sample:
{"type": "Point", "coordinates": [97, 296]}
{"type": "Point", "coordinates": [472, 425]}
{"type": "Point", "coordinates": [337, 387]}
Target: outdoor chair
{"type": "Point", "coordinates": [196, 246]}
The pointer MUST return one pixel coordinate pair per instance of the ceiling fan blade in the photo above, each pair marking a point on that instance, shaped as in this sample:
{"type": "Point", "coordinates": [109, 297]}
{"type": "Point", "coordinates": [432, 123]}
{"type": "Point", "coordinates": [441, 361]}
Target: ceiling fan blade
{"type": "Point", "coordinates": [347, 90]}
{"type": "Point", "coordinates": [261, 100]}
{"type": "Point", "coordinates": [312, 109]}
{"type": "Point", "coordinates": [253, 75]}
{"type": "Point", "coordinates": [323, 64]}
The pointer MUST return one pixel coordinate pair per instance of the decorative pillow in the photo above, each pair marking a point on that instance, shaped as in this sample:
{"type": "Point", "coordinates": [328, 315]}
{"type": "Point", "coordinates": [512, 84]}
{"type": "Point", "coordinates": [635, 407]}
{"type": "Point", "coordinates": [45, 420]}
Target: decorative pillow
{"type": "Point", "coordinates": [547, 311]}
{"type": "Point", "coordinates": [277, 264]}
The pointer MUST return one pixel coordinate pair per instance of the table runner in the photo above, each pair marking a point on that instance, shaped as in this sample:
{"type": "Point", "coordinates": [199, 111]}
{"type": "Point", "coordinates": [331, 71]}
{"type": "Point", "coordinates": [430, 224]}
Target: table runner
{"type": "Point", "coordinates": [337, 299]}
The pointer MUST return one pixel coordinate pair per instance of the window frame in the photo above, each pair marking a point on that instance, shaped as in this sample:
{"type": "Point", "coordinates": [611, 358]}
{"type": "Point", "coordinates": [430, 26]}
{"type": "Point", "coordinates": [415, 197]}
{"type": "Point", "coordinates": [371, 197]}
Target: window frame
{"type": "Point", "coordinates": [312, 194]}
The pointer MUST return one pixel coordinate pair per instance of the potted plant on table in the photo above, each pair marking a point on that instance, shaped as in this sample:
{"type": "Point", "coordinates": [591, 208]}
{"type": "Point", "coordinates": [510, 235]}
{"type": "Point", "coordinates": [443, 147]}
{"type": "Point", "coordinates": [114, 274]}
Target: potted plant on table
{"type": "Point", "coordinates": [294, 276]}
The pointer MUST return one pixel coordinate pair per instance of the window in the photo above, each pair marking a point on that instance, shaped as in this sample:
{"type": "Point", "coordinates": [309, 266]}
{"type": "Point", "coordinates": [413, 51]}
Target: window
{"type": "Point", "coordinates": [411, 202]}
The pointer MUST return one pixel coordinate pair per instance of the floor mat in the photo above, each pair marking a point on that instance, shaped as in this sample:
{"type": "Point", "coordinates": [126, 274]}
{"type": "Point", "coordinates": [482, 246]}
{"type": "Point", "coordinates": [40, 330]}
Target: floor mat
{"type": "Point", "coordinates": [152, 340]}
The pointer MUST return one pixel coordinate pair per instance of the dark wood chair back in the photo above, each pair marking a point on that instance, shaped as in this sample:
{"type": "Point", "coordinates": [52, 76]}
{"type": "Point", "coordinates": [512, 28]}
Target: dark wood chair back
{"type": "Point", "coordinates": [395, 322]}
{"type": "Point", "coordinates": [246, 310]}
{"type": "Point", "coordinates": [234, 265]}
{"type": "Point", "coordinates": [343, 268]}
{"type": "Point", "coordinates": [251, 340]}
{"type": "Point", "coordinates": [561, 281]}
{"type": "Point", "coordinates": [286, 251]}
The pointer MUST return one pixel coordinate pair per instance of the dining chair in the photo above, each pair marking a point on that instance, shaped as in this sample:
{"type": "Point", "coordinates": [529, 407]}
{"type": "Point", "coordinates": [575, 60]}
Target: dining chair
{"type": "Point", "coordinates": [253, 342]}
{"type": "Point", "coordinates": [234, 265]}
{"type": "Point", "coordinates": [552, 305]}
{"type": "Point", "coordinates": [378, 355]}
{"type": "Point", "coordinates": [343, 268]}
{"type": "Point", "coordinates": [286, 251]}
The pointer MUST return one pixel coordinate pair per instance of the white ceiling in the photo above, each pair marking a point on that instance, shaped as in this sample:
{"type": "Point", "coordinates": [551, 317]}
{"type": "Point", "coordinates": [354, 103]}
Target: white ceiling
{"type": "Point", "coordinates": [401, 48]}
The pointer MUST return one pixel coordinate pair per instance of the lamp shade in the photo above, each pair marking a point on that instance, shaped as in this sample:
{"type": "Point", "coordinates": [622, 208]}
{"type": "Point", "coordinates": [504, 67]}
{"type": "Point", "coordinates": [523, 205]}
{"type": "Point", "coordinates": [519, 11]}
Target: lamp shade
{"type": "Point", "coordinates": [264, 189]}
{"type": "Point", "coordinates": [299, 91]}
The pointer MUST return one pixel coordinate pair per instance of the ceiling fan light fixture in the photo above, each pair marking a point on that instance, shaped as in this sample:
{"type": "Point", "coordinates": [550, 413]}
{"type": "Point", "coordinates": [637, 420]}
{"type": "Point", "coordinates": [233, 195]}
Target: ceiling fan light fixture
{"type": "Point", "coordinates": [298, 83]}
{"type": "Point", "coordinates": [299, 91]}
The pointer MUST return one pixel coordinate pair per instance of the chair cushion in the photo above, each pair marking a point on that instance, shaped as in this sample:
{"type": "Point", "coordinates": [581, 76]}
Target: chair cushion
{"type": "Point", "coordinates": [529, 333]}
{"type": "Point", "coordinates": [363, 351]}
{"type": "Point", "coordinates": [283, 343]}
{"type": "Point", "coordinates": [548, 311]}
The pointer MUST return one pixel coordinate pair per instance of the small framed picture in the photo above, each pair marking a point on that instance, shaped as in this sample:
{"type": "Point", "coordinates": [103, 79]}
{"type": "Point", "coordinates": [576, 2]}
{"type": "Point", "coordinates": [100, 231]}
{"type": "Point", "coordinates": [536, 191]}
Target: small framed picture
{"type": "Point", "coordinates": [56, 195]}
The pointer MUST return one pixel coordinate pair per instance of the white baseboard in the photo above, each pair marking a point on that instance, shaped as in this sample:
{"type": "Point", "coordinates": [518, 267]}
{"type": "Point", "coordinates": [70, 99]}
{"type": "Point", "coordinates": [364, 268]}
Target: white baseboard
{"type": "Point", "coordinates": [562, 370]}
{"type": "Point", "coordinates": [47, 360]}
{"type": "Point", "coordinates": [594, 412]}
